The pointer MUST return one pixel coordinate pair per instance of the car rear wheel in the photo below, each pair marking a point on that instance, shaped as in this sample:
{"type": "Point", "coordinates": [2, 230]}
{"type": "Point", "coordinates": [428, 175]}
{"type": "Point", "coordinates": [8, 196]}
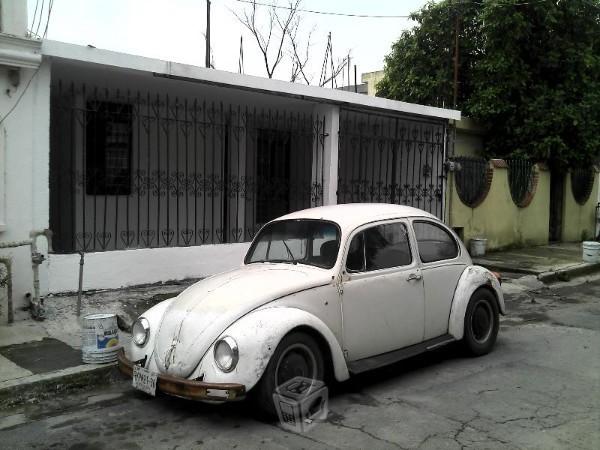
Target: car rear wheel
{"type": "Point", "coordinates": [298, 354]}
{"type": "Point", "coordinates": [481, 323]}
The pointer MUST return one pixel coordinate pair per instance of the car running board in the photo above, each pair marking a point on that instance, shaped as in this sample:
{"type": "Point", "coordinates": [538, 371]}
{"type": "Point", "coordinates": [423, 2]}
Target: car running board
{"type": "Point", "coordinates": [373, 362]}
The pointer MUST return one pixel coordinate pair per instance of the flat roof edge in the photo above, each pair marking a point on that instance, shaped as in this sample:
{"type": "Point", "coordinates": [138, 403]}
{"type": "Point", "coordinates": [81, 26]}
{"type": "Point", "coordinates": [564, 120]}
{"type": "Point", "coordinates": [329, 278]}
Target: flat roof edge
{"type": "Point", "coordinates": [94, 55]}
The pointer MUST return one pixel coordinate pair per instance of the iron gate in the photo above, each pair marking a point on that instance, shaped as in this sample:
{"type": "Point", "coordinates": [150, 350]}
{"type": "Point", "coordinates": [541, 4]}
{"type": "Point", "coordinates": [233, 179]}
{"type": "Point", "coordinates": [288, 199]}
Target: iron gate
{"type": "Point", "coordinates": [391, 159]}
{"type": "Point", "coordinates": [143, 169]}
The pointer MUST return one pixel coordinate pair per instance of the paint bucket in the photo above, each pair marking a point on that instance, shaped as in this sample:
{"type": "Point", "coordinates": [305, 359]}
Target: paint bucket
{"type": "Point", "coordinates": [477, 246]}
{"type": "Point", "coordinates": [591, 251]}
{"type": "Point", "coordinates": [99, 338]}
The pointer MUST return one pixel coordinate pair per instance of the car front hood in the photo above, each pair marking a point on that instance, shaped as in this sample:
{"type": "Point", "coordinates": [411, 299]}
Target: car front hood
{"type": "Point", "coordinates": [197, 317]}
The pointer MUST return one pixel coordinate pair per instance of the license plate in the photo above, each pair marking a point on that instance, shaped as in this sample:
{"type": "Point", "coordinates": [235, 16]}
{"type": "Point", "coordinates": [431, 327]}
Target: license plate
{"type": "Point", "coordinates": [144, 380]}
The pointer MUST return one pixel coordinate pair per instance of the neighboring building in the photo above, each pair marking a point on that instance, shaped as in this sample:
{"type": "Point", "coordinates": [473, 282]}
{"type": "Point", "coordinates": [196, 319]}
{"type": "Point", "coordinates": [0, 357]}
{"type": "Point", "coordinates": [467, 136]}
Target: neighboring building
{"type": "Point", "coordinates": [371, 79]}
{"type": "Point", "coordinates": [368, 84]}
{"type": "Point", "coordinates": [155, 170]}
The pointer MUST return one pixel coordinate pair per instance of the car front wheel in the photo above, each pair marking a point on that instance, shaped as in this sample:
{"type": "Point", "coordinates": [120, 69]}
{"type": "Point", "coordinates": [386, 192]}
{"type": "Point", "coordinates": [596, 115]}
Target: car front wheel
{"type": "Point", "coordinates": [481, 323]}
{"type": "Point", "coordinates": [298, 354]}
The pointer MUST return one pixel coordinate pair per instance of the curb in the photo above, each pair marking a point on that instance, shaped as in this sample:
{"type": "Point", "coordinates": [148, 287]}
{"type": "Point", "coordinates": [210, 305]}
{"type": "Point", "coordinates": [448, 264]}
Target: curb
{"type": "Point", "coordinates": [562, 274]}
{"type": "Point", "coordinates": [505, 268]}
{"type": "Point", "coordinates": [36, 387]}
{"type": "Point", "coordinates": [569, 272]}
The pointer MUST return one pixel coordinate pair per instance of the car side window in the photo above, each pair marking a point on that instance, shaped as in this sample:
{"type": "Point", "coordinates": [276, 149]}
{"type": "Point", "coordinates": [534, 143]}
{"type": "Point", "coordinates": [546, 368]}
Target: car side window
{"type": "Point", "coordinates": [379, 247]}
{"type": "Point", "coordinates": [435, 243]}
{"type": "Point", "coordinates": [356, 254]}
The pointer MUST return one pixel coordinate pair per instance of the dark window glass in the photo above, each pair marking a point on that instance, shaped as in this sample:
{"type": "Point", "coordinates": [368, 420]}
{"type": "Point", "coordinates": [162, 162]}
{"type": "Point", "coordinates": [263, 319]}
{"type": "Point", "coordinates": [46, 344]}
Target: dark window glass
{"type": "Point", "coordinates": [387, 246]}
{"type": "Point", "coordinates": [311, 242]}
{"type": "Point", "coordinates": [108, 149]}
{"type": "Point", "coordinates": [434, 242]}
{"type": "Point", "coordinates": [356, 254]}
{"type": "Point", "coordinates": [379, 247]}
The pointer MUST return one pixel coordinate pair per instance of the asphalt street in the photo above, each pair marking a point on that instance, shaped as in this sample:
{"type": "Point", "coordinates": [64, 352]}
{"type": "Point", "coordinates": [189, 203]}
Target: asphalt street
{"type": "Point", "coordinates": [539, 388]}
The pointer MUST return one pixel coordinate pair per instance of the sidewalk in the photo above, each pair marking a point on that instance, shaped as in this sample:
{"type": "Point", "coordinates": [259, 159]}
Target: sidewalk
{"type": "Point", "coordinates": [554, 262]}
{"type": "Point", "coordinates": [39, 358]}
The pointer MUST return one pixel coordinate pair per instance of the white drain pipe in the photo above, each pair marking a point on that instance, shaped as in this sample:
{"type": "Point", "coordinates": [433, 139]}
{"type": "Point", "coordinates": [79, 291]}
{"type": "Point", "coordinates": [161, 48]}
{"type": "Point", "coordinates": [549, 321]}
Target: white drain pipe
{"type": "Point", "coordinates": [37, 302]}
{"type": "Point", "coordinates": [7, 262]}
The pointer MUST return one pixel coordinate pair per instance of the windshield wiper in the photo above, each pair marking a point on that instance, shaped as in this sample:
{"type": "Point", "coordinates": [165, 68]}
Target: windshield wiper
{"type": "Point", "coordinates": [289, 251]}
{"type": "Point", "coordinates": [285, 261]}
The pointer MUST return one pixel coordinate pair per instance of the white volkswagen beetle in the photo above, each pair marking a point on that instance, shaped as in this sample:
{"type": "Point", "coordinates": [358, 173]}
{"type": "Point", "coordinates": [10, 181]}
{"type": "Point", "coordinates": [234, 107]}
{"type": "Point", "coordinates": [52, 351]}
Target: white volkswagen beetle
{"type": "Point", "coordinates": [334, 290]}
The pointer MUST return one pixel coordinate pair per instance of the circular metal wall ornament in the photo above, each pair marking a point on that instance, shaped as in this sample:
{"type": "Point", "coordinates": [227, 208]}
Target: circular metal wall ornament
{"type": "Point", "coordinates": [582, 183]}
{"type": "Point", "coordinates": [522, 180]}
{"type": "Point", "coordinates": [473, 180]}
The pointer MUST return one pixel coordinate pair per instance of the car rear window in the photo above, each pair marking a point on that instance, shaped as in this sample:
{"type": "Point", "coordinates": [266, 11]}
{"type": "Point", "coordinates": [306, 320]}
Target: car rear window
{"type": "Point", "coordinates": [435, 243]}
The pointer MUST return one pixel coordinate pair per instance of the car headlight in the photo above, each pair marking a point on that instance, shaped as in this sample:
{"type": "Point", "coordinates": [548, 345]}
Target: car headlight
{"type": "Point", "coordinates": [226, 354]}
{"type": "Point", "coordinates": [140, 331]}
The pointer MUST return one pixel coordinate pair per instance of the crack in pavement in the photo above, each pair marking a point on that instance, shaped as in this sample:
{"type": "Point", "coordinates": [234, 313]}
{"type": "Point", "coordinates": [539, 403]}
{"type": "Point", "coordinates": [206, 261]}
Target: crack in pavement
{"type": "Point", "coordinates": [368, 433]}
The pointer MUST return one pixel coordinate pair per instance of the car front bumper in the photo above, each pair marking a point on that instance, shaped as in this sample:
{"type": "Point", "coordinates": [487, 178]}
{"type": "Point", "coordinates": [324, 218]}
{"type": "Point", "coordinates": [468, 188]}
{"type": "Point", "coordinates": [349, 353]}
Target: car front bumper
{"type": "Point", "coordinates": [190, 389]}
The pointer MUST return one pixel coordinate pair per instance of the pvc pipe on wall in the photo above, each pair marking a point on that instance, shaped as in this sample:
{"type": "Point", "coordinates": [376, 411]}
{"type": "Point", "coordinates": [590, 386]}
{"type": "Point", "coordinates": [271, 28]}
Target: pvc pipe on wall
{"type": "Point", "coordinates": [9, 303]}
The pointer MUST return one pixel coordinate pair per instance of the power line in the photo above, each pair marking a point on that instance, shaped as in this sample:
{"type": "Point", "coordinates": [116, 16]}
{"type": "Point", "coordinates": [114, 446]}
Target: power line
{"type": "Point", "coordinates": [37, 30]}
{"type": "Point", "coordinates": [48, 19]}
{"type": "Point", "coordinates": [327, 13]}
{"type": "Point", "coordinates": [37, 3]}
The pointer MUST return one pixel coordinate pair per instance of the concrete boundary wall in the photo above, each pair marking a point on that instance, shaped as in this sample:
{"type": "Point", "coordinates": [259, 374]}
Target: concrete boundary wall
{"type": "Point", "coordinates": [497, 218]}
{"type": "Point", "coordinates": [579, 221]}
{"type": "Point", "coordinates": [116, 269]}
{"type": "Point", "coordinates": [504, 224]}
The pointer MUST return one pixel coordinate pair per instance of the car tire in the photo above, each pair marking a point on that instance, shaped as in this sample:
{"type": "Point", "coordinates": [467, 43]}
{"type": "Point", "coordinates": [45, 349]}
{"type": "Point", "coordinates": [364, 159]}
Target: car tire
{"type": "Point", "coordinates": [298, 354]}
{"type": "Point", "coordinates": [482, 321]}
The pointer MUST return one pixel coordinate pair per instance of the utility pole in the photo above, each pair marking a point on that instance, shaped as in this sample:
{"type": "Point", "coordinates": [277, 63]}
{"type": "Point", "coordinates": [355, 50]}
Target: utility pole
{"type": "Point", "coordinates": [456, 54]}
{"type": "Point", "coordinates": [349, 82]}
{"type": "Point", "coordinates": [207, 62]}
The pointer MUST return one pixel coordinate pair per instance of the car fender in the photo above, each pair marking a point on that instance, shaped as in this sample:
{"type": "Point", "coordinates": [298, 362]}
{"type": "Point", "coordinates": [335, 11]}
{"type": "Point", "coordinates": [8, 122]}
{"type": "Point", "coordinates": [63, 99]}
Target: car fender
{"type": "Point", "coordinates": [257, 335]}
{"type": "Point", "coordinates": [472, 278]}
{"type": "Point", "coordinates": [154, 316]}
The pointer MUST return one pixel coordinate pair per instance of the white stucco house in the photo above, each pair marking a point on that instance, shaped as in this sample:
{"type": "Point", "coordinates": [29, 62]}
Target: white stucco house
{"type": "Point", "coordinates": [155, 170]}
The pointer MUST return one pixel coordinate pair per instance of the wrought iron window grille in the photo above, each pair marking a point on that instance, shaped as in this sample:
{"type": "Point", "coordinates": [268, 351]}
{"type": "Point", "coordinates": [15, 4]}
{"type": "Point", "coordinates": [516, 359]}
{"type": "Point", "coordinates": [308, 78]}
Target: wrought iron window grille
{"type": "Point", "coordinates": [195, 171]}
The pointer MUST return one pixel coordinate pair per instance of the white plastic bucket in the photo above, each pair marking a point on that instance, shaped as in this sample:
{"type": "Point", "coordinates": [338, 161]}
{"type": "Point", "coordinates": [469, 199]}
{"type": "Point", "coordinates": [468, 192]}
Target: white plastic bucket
{"type": "Point", "coordinates": [99, 338]}
{"type": "Point", "coordinates": [591, 251]}
{"type": "Point", "coordinates": [477, 246]}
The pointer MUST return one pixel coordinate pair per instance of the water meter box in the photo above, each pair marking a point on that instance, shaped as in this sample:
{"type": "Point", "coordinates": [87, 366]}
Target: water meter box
{"type": "Point", "coordinates": [299, 402]}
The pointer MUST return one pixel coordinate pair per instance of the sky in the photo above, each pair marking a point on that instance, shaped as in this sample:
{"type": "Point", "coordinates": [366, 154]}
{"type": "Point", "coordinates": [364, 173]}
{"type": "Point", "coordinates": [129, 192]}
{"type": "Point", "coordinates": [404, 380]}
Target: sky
{"type": "Point", "coordinates": [174, 30]}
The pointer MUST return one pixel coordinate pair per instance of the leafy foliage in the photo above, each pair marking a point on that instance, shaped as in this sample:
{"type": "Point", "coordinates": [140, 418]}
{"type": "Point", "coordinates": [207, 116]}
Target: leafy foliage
{"type": "Point", "coordinates": [529, 72]}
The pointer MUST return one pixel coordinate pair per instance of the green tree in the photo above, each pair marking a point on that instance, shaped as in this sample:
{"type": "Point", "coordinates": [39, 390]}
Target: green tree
{"type": "Point", "coordinates": [529, 72]}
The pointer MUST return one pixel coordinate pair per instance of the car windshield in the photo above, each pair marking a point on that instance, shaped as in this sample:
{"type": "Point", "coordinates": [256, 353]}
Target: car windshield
{"type": "Point", "coordinates": [312, 242]}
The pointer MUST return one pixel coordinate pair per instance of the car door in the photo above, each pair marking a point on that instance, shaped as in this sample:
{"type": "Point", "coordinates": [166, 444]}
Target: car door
{"type": "Point", "coordinates": [441, 267]}
{"type": "Point", "coordinates": [382, 299]}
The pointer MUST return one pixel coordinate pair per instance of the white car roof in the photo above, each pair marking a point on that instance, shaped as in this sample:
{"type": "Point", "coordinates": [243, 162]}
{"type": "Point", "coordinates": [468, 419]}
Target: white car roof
{"type": "Point", "coordinates": [352, 215]}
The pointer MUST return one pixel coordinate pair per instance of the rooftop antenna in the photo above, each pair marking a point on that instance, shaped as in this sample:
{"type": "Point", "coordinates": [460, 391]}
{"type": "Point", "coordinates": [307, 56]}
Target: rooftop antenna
{"type": "Point", "coordinates": [241, 58]}
{"type": "Point", "coordinates": [323, 77]}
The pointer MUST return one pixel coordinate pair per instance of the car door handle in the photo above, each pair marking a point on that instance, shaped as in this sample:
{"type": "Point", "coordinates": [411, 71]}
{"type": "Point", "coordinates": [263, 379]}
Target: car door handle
{"type": "Point", "coordinates": [414, 276]}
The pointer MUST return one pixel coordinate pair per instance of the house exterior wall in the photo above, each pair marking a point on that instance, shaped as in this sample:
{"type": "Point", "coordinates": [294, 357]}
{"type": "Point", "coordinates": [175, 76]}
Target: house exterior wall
{"type": "Point", "coordinates": [179, 154]}
{"type": "Point", "coordinates": [579, 221]}
{"type": "Point", "coordinates": [33, 133]}
{"type": "Point", "coordinates": [24, 142]}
